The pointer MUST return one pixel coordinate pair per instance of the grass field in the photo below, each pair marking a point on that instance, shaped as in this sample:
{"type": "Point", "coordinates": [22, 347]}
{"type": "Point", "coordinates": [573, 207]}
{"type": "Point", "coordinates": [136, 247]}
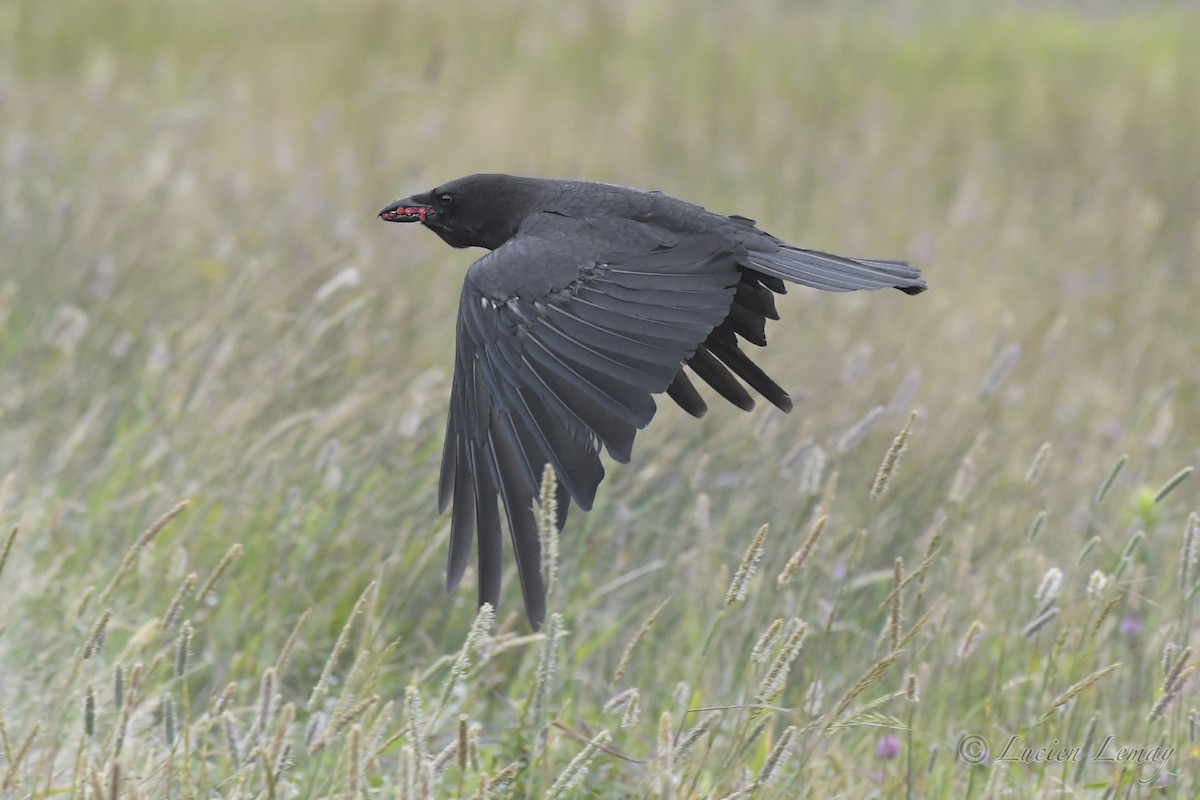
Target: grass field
{"type": "Point", "coordinates": [197, 305]}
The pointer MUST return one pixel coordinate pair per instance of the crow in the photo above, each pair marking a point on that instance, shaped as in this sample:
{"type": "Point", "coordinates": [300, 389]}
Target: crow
{"type": "Point", "coordinates": [594, 298]}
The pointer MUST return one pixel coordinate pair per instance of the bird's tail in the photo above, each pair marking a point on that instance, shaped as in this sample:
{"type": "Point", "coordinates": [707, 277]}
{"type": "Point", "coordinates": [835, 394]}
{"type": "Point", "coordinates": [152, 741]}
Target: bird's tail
{"type": "Point", "coordinates": [836, 273]}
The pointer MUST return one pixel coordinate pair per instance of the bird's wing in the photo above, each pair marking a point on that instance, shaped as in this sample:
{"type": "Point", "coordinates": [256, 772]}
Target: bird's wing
{"type": "Point", "coordinates": [562, 339]}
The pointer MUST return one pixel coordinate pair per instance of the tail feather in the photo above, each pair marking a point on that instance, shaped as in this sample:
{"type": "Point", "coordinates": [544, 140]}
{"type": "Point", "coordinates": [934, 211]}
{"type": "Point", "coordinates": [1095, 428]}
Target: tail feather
{"type": "Point", "coordinates": [835, 273]}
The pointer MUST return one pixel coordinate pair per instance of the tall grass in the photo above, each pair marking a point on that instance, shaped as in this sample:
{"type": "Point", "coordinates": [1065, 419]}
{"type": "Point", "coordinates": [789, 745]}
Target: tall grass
{"type": "Point", "coordinates": [223, 386]}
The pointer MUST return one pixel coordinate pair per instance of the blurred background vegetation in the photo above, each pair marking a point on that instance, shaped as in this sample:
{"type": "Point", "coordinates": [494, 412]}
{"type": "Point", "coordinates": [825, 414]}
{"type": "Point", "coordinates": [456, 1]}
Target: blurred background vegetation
{"type": "Point", "coordinates": [197, 302]}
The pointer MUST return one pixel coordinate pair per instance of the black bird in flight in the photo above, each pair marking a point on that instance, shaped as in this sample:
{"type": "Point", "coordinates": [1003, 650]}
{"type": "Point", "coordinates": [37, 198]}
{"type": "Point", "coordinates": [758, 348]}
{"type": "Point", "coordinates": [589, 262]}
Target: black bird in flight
{"type": "Point", "coordinates": [593, 299]}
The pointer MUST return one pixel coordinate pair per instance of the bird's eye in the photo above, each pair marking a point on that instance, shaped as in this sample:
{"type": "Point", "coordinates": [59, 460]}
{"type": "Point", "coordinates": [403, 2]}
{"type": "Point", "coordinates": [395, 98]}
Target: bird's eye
{"type": "Point", "coordinates": [445, 200]}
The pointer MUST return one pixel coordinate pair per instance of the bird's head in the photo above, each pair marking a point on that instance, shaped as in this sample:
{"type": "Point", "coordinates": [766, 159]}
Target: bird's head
{"type": "Point", "coordinates": [476, 211]}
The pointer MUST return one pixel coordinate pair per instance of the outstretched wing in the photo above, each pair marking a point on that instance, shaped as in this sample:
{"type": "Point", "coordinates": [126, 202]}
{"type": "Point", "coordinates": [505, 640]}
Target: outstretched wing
{"type": "Point", "coordinates": [563, 337]}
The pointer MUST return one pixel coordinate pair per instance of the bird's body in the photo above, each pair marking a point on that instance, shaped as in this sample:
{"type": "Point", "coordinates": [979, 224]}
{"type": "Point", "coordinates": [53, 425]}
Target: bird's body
{"type": "Point", "coordinates": [594, 298]}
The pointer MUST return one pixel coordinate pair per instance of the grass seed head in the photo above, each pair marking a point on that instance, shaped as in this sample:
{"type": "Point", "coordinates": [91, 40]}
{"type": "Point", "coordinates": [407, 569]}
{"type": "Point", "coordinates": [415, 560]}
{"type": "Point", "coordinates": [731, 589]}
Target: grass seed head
{"type": "Point", "coordinates": [1033, 474]}
{"type": "Point", "coordinates": [664, 759]}
{"type": "Point", "coordinates": [746, 569]}
{"type": "Point", "coordinates": [631, 647]}
{"type": "Point", "coordinates": [970, 640]}
{"type": "Point", "coordinates": [1189, 552]}
{"type": "Point", "coordinates": [1048, 588]}
{"type": "Point", "coordinates": [891, 459]}
{"type": "Point", "coordinates": [548, 527]}
{"type": "Point", "coordinates": [801, 556]}
{"type": "Point", "coordinates": [766, 642]}
{"type": "Point", "coordinates": [577, 770]}
{"type": "Point", "coordinates": [1173, 483]}
{"type": "Point", "coordinates": [773, 766]}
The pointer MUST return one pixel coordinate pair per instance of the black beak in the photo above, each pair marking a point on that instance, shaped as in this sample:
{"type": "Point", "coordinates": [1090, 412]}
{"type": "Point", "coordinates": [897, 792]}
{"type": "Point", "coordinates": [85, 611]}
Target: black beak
{"type": "Point", "coordinates": [405, 209]}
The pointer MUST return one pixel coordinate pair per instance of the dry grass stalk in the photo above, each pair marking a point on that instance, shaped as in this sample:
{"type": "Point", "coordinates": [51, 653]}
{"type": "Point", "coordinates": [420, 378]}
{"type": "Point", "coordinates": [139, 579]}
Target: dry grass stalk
{"type": "Point", "coordinates": [867, 715]}
{"type": "Point", "coordinates": [1074, 690]}
{"type": "Point", "coordinates": [266, 707]}
{"type": "Point", "coordinates": [1087, 548]}
{"type": "Point", "coordinates": [1109, 480]}
{"type": "Point", "coordinates": [829, 494]}
{"type": "Point", "coordinates": [664, 764]}
{"type": "Point", "coordinates": [856, 432]}
{"type": "Point", "coordinates": [683, 750]}
{"type": "Point", "coordinates": [1159, 710]}
{"type": "Point", "coordinates": [10, 478]}
{"type": "Point", "coordinates": [627, 654]}
{"type": "Point", "coordinates": [17, 757]}
{"type": "Point", "coordinates": [577, 770]}
{"type": "Point", "coordinates": [896, 617]}
{"type": "Point", "coordinates": [814, 697]}
{"type": "Point", "coordinates": [167, 710]}
{"type": "Point", "coordinates": [681, 696]}
{"type": "Point", "coordinates": [631, 712]}
{"type": "Point", "coordinates": [1173, 483]}
{"type": "Point", "coordinates": [222, 700]}
{"type": "Point", "coordinates": [1048, 587]}
{"type": "Point", "coordinates": [285, 652]}
{"type": "Point", "coordinates": [97, 786]}
{"type": "Point", "coordinates": [95, 638]}
{"type": "Point", "coordinates": [276, 749]}
{"type": "Point", "coordinates": [384, 658]}
{"type": "Point", "coordinates": [476, 642]}
{"type": "Point", "coordinates": [912, 688]}
{"type": "Point", "coordinates": [967, 474]}
{"type": "Point", "coordinates": [935, 539]}
{"type": "Point", "coordinates": [807, 548]}
{"type": "Point", "coordinates": [354, 762]}
{"type": "Point", "coordinates": [118, 687]}
{"type": "Point", "coordinates": [322, 684]}
{"type": "Point", "coordinates": [1041, 619]}
{"type": "Point", "coordinates": [9, 541]}
{"type": "Point", "coordinates": [812, 470]}
{"type": "Point", "coordinates": [1033, 475]}
{"type": "Point", "coordinates": [497, 787]}
{"type": "Point", "coordinates": [869, 677]}
{"type": "Point", "coordinates": [172, 614]}
{"type": "Point", "coordinates": [1176, 669]}
{"type": "Point", "coordinates": [1189, 552]}
{"type": "Point", "coordinates": [1001, 367]}
{"type": "Point", "coordinates": [138, 546]}
{"type": "Point", "coordinates": [359, 709]}
{"type": "Point", "coordinates": [746, 569]}
{"type": "Point", "coordinates": [89, 710]}
{"type": "Point", "coordinates": [766, 642]}
{"type": "Point", "coordinates": [776, 675]}
{"type": "Point", "coordinates": [231, 555]}
{"type": "Point", "coordinates": [916, 575]}
{"type": "Point", "coordinates": [407, 772]}
{"type": "Point", "coordinates": [994, 789]}
{"type": "Point", "coordinates": [81, 606]}
{"type": "Point", "coordinates": [375, 741]}
{"type": "Point", "coordinates": [314, 731]}
{"type": "Point", "coordinates": [547, 520]}
{"type": "Point", "coordinates": [1035, 527]}
{"type": "Point", "coordinates": [462, 745]}
{"type": "Point", "coordinates": [547, 672]}
{"type": "Point", "coordinates": [183, 649]}
{"type": "Point", "coordinates": [413, 722]}
{"type": "Point", "coordinates": [351, 688]}
{"type": "Point", "coordinates": [440, 762]}
{"type": "Point", "coordinates": [773, 766]}
{"type": "Point", "coordinates": [891, 459]}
